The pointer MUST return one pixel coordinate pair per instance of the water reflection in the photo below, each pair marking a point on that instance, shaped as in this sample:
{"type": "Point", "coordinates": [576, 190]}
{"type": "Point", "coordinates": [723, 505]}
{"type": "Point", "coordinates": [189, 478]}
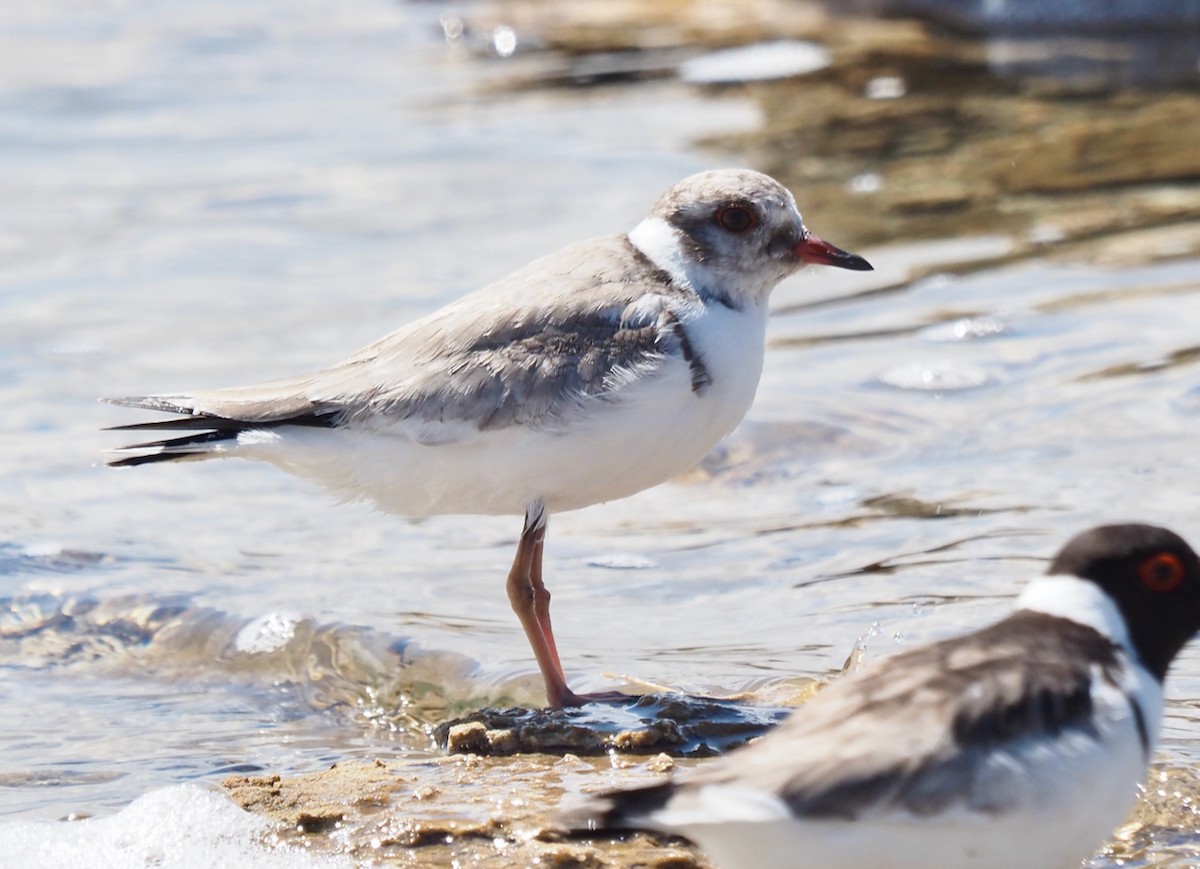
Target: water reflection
{"type": "Point", "coordinates": [1125, 43]}
{"type": "Point", "coordinates": [1097, 64]}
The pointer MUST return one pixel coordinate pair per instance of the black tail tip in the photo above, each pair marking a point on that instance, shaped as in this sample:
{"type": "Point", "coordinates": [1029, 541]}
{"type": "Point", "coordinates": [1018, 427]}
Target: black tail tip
{"type": "Point", "coordinates": [150, 459]}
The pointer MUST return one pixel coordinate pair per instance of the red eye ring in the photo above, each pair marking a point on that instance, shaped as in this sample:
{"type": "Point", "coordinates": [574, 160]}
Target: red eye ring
{"type": "Point", "coordinates": [736, 218]}
{"type": "Point", "coordinates": [1161, 572]}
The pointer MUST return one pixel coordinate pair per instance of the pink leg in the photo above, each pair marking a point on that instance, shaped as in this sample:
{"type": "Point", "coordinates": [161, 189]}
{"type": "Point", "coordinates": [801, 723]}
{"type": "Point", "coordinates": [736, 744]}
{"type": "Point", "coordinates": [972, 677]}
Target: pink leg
{"type": "Point", "coordinates": [541, 596]}
{"type": "Point", "coordinates": [531, 602]}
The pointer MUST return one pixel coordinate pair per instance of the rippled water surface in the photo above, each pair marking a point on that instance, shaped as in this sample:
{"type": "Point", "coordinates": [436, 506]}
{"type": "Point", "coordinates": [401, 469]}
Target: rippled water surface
{"type": "Point", "coordinates": [197, 195]}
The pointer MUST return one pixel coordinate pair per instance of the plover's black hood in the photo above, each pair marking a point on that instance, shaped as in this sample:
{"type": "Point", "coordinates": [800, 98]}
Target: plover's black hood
{"type": "Point", "coordinates": [1151, 574]}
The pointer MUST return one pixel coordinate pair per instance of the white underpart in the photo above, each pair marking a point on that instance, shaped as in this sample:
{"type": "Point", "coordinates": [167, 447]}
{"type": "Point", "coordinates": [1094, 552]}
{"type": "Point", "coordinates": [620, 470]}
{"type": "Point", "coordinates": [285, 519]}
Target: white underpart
{"type": "Point", "coordinates": [1068, 791]}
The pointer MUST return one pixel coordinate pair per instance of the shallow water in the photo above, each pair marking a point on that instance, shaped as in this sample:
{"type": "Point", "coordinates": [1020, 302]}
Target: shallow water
{"type": "Point", "coordinates": [205, 195]}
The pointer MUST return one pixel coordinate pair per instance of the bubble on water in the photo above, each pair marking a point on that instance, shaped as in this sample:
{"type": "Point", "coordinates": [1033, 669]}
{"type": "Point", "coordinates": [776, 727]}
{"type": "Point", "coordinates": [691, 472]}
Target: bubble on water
{"type": "Point", "coordinates": [504, 40]}
{"type": "Point", "coordinates": [621, 561]}
{"type": "Point", "coordinates": [868, 182]}
{"type": "Point", "coordinates": [935, 377]}
{"type": "Point", "coordinates": [885, 87]}
{"type": "Point", "coordinates": [452, 28]}
{"type": "Point", "coordinates": [963, 329]}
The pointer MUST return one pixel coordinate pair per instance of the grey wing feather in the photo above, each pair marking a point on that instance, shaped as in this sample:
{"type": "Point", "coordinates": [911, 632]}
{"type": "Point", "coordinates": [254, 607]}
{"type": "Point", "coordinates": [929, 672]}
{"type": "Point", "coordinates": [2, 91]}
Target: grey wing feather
{"type": "Point", "coordinates": [520, 351]}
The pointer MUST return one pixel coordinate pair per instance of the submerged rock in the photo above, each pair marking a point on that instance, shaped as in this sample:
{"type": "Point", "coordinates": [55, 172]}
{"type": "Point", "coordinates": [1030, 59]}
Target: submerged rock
{"type": "Point", "coordinates": [673, 723]}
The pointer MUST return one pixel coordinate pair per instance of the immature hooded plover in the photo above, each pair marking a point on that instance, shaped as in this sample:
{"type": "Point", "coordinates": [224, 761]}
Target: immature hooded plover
{"type": "Point", "coordinates": [590, 374]}
{"type": "Point", "coordinates": [1020, 745]}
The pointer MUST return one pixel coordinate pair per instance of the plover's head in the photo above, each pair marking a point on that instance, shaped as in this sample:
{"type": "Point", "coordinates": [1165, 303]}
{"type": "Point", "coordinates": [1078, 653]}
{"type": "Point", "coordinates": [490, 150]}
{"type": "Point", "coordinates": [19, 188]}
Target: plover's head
{"type": "Point", "coordinates": [733, 234]}
{"type": "Point", "coordinates": [1151, 574]}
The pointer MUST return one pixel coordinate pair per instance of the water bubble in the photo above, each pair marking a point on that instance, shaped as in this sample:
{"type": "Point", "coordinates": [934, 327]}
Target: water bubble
{"type": "Point", "coordinates": [885, 87]}
{"type": "Point", "coordinates": [964, 329]}
{"type": "Point", "coordinates": [868, 182]}
{"type": "Point", "coordinates": [452, 28]}
{"type": "Point", "coordinates": [935, 377]}
{"type": "Point", "coordinates": [621, 561]}
{"type": "Point", "coordinates": [504, 40]}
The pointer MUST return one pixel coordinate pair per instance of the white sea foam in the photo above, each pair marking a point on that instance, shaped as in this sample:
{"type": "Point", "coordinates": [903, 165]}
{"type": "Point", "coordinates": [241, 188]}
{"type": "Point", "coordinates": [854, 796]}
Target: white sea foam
{"type": "Point", "coordinates": [178, 827]}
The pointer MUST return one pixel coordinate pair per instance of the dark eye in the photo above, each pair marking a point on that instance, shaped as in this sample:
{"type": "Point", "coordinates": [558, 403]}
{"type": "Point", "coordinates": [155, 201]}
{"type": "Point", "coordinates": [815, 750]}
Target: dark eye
{"type": "Point", "coordinates": [736, 218]}
{"type": "Point", "coordinates": [1161, 572]}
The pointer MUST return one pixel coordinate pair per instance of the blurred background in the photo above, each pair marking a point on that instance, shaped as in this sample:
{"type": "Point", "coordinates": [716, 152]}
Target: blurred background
{"type": "Point", "coordinates": [200, 195]}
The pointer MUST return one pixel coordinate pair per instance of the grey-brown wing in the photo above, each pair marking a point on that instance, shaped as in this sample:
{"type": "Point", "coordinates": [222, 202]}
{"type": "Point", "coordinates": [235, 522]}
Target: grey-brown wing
{"type": "Point", "coordinates": [526, 371]}
{"type": "Point", "coordinates": [521, 351]}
